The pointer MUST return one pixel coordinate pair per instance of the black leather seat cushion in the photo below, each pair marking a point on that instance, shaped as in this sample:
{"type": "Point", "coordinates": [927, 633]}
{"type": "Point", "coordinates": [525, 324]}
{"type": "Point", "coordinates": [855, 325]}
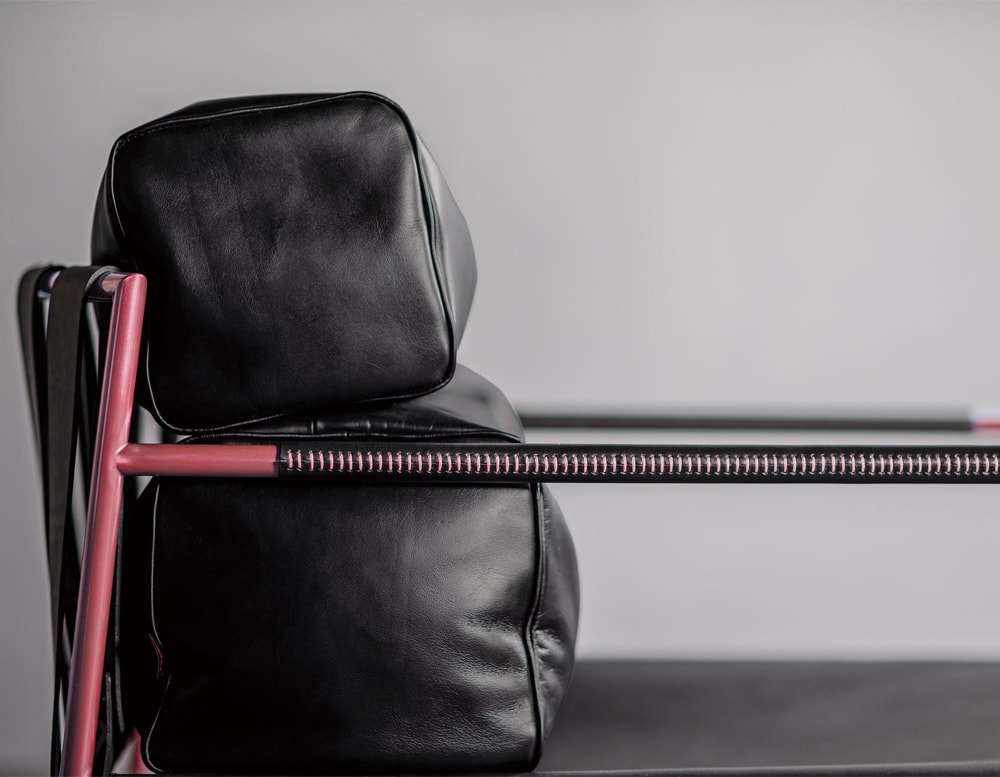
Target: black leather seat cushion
{"type": "Point", "coordinates": [647, 716]}
{"type": "Point", "coordinates": [272, 626]}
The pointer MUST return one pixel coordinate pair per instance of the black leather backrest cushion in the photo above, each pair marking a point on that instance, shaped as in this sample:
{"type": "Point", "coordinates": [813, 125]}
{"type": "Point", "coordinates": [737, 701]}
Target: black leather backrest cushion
{"type": "Point", "coordinates": [303, 252]}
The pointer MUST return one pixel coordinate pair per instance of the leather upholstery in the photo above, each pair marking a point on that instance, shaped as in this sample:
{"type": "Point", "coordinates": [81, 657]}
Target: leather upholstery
{"type": "Point", "coordinates": [469, 404]}
{"type": "Point", "coordinates": [293, 627]}
{"type": "Point", "coordinates": [303, 252]}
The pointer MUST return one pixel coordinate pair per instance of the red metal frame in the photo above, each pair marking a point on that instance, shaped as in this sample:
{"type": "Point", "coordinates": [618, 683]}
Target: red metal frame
{"type": "Point", "coordinates": [101, 538]}
{"type": "Point", "coordinates": [114, 459]}
{"type": "Point", "coordinates": [226, 461]}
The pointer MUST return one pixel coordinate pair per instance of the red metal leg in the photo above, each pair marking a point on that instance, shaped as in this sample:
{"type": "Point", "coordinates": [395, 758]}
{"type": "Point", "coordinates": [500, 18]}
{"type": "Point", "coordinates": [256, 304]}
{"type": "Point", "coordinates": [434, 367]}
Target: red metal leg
{"type": "Point", "coordinates": [100, 541]}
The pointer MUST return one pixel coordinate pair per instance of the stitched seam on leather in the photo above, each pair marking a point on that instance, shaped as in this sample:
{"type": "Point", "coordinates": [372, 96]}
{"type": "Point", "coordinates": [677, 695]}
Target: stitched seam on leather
{"type": "Point", "coordinates": [161, 124]}
{"type": "Point", "coordinates": [426, 200]}
{"type": "Point", "coordinates": [145, 739]}
{"type": "Point", "coordinates": [152, 622]}
{"type": "Point", "coordinates": [471, 433]}
{"type": "Point", "coordinates": [158, 125]}
{"type": "Point", "coordinates": [531, 648]}
{"type": "Point", "coordinates": [436, 243]}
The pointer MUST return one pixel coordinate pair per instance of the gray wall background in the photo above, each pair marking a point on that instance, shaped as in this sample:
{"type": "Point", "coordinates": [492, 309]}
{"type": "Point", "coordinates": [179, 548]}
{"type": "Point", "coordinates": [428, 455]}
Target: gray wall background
{"type": "Point", "coordinates": [707, 204]}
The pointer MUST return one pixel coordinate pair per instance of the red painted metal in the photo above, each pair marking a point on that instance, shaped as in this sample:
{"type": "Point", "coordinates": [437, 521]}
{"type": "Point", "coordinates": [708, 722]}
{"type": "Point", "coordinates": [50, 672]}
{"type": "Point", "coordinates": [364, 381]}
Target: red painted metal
{"type": "Point", "coordinates": [101, 538]}
{"type": "Point", "coordinates": [239, 461]}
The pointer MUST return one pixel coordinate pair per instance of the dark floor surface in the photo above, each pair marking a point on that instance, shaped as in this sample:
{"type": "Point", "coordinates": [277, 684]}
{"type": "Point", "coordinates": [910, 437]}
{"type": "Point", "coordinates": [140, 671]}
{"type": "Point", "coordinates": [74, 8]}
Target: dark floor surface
{"type": "Point", "coordinates": [666, 715]}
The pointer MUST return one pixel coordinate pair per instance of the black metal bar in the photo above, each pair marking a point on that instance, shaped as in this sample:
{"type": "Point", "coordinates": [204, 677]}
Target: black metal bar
{"type": "Point", "coordinates": [507, 463]}
{"type": "Point", "coordinates": [671, 421]}
{"type": "Point", "coordinates": [101, 291]}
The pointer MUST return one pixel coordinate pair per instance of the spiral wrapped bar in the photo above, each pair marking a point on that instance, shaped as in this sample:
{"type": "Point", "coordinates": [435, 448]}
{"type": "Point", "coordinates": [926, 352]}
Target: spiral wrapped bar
{"type": "Point", "coordinates": [485, 463]}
